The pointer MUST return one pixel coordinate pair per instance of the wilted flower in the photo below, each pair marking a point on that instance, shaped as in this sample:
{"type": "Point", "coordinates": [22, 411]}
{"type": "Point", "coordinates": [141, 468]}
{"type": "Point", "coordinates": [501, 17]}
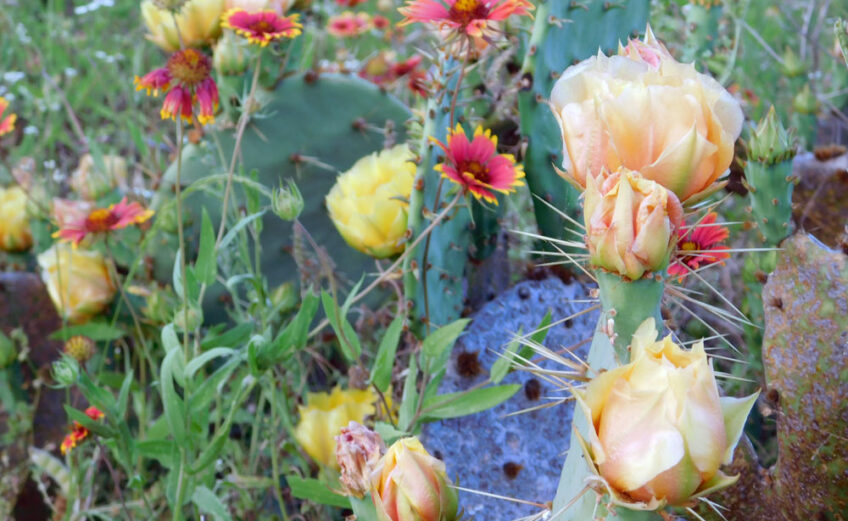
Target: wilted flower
{"type": "Point", "coordinates": [189, 70]}
{"type": "Point", "coordinates": [77, 280]}
{"type": "Point", "coordinates": [476, 165]}
{"type": "Point", "coordinates": [198, 22]}
{"type": "Point", "coordinates": [261, 27]}
{"type": "Point", "coordinates": [103, 220]}
{"type": "Point", "coordinates": [348, 24]}
{"type": "Point", "coordinates": [91, 181]}
{"type": "Point", "coordinates": [358, 449]}
{"type": "Point", "coordinates": [630, 223]}
{"type": "Point", "coordinates": [80, 348]}
{"type": "Point", "coordinates": [643, 110]}
{"type": "Point", "coordinates": [323, 417]}
{"type": "Point", "coordinates": [658, 428]}
{"type": "Point", "coordinates": [287, 202]}
{"type": "Point", "coordinates": [473, 18]}
{"type": "Point", "coordinates": [15, 234]}
{"type": "Point", "coordinates": [78, 432]}
{"type": "Point", "coordinates": [698, 245]}
{"type": "Point", "coordinates": [369, 203]}
{"type": "Point", "coordinates": [7, 122]}
{"type": "Point", "coordinates": [411, 485]}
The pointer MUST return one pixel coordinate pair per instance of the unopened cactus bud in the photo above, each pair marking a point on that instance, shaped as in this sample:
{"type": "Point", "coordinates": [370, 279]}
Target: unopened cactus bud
{"type": "Point", "coordinates": [288, 202]}
{"type": "Point", "coordinates": [792, 65]}
{"type": "Point", "coordinates": [805, 101]}
{"type": "Point", "coordinates": [358, 450]}
{"type": "Point", "coordinates": [8, 351]}
{"type": "Point", "coordinates": [65, 371]}
{"type": "Point", "coordinates": [770, 142]}
{"type": "Point", "coordinates": [411, 485]}
{"type": "Point", "coordinates": [80, 348]}
{"type": "Point", "coordinates": [230, 55]}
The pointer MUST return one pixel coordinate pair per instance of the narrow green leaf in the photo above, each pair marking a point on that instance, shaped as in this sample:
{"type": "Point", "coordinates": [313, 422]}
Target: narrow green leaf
{"type": "Point", "coordinates": [163, 451]}
{"type": "Point", "coordinates": [538, 337]}
{"type": "Point", "coordinates": [410, 396]}
{"type": "Point", "coordinates": [388, 432]}
{"type": "Point", "coordinates": [124, 394]}
{"type": "Point", "coordinates": [293, 337]}
{"type": "Point", "coordinates": [176, 275]}
{"type": "Point", "coordinates": [201, 360]}
{"type": "Point", "coordinates": [97, 331]}
{"type": "Point", "coordinates": [171, 401]}
{"type": "Point", "coordinates": [315, 491]}
{"type": "Point", "coordinates": [208, 502]}
{"type": "Point", "coordinates": [169, 338]}
{"type": "Point", "coordinates": [244, 221]}
{"type": "Point", "coordinates": [381, 371]}
{"type": "Point", "coordinates": [435, 350]}
{"type": "Point", "coordinates": [206, 266]}
{"type": "Point", "coordinates": [234, 337]}
{"type": "Point", "coordinates": [501, 366]}
{"type": "Point", "coordinates": [348, 341]}
{"type": "Point", "coordinates": [454, 405]}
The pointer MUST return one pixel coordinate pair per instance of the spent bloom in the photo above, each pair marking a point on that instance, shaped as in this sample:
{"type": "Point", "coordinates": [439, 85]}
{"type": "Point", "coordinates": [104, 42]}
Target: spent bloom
{"type": "Point", "coordinates": [658, 429]}
{"type": "Point", "coordinates": [187, 79]}
{"type": "Point", "coordinates": [7, 121]}
{"type": "Point", "coordinates": [103, 220]}
{"type": "Point", "coordinates": [643, 110]}
{"type": "Point", "coordinates": [15, 233]}
{"type": "Point", "coordinates": [261, 27]}
{"type": "Point", "coordinates": [78, 432]}
{"type": "Point", "coordinates": [477, 166]}
{"type": "Point", "coordinates": [369, 203]}
{"type": "Point", "coordinates": [323, 417]}
{"type": "Point", "coordinates": [358, 450]}
{"type": "Point", "coordinates": [474, 18]}
{"type": "Point", "coordinates": [411, 485]}
{"type": "Point", "coordinates": [80, 348]}
{"type": "Point", "coordinates": [699, 245]}
{"type": "Point", "coordinates": [197, 23]}
{"type": "Point", "coordinates": [77, 281]}
{"type": "Point", "coordinates": [348, 24]}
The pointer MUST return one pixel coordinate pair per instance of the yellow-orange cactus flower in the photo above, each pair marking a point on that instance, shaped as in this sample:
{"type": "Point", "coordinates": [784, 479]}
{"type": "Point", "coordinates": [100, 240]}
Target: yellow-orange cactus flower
{"type": "Point", "coordinates": [199, 23]}
{"type": "Point", "coordinates": [658, 428]}
{"type": "Point", "coordinates": [643, 110]}
{"type": "Point", "coordinates": [324, 416]}
{"type": "Point", "coordinates": [411, 485]}
{"type": "Point", "coordinates": [77, 280]}
{"type": "Point", "coordinates": [631, 223]}
{"type": "Point", "coordinates": [369, 203]}
{"type": "Point", "coordinates": [15, 233]}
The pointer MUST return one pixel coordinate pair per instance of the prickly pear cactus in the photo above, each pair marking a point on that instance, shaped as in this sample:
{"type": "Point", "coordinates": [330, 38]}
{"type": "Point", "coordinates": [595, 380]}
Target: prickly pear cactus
{"type": "Point", "coordinates": [564, 33]}
{"type": "Point", "coordinates": [307, 136]}
{"type": "Point", "coordinates": [805, 356]}
{"type": "Point", "coordinates": [450, 240]}
{"type": "Point", "coordinates": [702, 22]}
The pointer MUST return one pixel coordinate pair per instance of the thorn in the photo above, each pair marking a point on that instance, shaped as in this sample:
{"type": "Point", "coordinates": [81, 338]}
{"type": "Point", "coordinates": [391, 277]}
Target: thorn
{"type": "Point", "coordinates": [575, 5]}
{"type": "Point", "coordinates": [774, 201]}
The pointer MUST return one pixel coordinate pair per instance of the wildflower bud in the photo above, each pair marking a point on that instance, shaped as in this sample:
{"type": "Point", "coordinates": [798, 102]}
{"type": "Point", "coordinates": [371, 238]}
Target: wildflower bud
{"type": "Point", "coordinates": [631, 223]}
{"type": "Point", "coordinates": [15, 234]}
{"type": "Point", "coordinates": [8, 350]}
{"type": "Point", "coordinates": [188, 319]}
{"type": "Point", "coordinates": [65, 371]}
{"type": "Point", "coordinates": [358, 450]}
{"type": "Point", "coordinates": [411, 485]}
{"type": "Point", "coordinates": [284, 297]}
{"type": "Point", "coordinates": [805, 101]}
{"type": "Point", "coordinates": [287, 202]}
{"type": "Point", "coordinates": [230, 55]}
{"type": "Point", "coordinates": [95, 178]}
{"type": "Point", "coordinates": [658, 428]}
{"type": "Point", "coordinates": [80, 348]}
{"type": "Point", "coordinates": [770, 142]}
{"type": "Point", "coordinates": [792, 65]}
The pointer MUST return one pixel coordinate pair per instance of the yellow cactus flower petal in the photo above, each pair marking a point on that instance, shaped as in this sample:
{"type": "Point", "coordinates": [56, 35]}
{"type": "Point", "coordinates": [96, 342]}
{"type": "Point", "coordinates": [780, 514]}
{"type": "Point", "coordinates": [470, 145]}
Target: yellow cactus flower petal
{"type": "Point", "coordinates": [15, 234]}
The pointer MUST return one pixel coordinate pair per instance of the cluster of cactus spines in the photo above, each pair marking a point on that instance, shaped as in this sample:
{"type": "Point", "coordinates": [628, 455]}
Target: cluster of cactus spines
{"type": "Point", "coordinates": [447, 254]}
{"type": "Point", "coordinates": [564, 33]}
{"type": "Point", "coordinates": [769, 179]}
{"type": "Point", "coordinates": [310, 138]}
{"type": "Point", "coordinates": [702, 23]}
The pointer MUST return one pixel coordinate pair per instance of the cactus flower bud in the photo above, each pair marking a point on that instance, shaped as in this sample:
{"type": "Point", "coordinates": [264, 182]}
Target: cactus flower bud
{"type": "Point", "coordinates": [77, 280]}
{"type": "Point", "coordinates": [658, 428]}
{"type": "Point", "coordinates": [15, 232]}
{"type": "Point", "coordinates": [287, 202]}
{"type": "Point", "coordinates": [411, 485]}
{"type": "Point", "coordinates": [770, 142]}
{"type": "Point", "coordinates": [631, 223]}
{"type": "Point", "coordinates": [792, 65]}
{"type": "Point", "coordinates": [80, 348]}
{"type": "Point", "coordinates": [805, 102]}
{"type": "Point", "coordinates": [358, 449]}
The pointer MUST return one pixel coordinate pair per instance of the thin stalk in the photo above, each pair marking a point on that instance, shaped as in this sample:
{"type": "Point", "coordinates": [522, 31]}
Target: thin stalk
{"type": "Point", "coordinates": [274, 463]}
{"type": "Point", "coordinates": [181, 234]}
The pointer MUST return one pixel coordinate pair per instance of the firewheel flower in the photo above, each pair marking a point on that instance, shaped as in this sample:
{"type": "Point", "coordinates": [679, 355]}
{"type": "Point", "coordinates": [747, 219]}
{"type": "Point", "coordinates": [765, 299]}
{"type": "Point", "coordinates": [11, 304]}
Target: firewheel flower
{"type": "Point", "coordinates": [103, 220]}
{"type": "Point", "coordinates": [261, 27]}
{"type": "Point", "coordinates": [78, 432]}
{"type": "Point", "coordinates": [473, 18]}
{"type": "Point", "coordinates": [699, 245]}
{"type": "Point", "coordinates": [348, 24]}
{"type": "Point", "coordinates": [187, 80]}
{"type": "Point", "coordinates": [7, 122]}
{"type": "Point", "coordinates": [476, 165]}
{"type": "Point", "coordinates": [658, 429]}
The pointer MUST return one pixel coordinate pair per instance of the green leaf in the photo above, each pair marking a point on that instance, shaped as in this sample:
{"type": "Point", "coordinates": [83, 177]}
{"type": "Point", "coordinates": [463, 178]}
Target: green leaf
{"type": "Point", "coordinates": [201, 360]}
{"type": "Point", "coordinates": [410, 396]}
{"type": "Point", "coordinates": [208, 502]}
{"type": "Point", "coordinates": [210, 452]}
{"type": "Point", "coordinates": [163, 451]}
{"type": "Point", "coordinates": [454, 405]}
{"type": "Point", "coordinates": [206, 266]}
{"type": "Point", "coordinates": [171, 401]}
{"type": "Point", "coordinates": [388, 432]}
{"type": "Point", "coordinates": [176, 274]}
{"type": "Point", "coordinates": [124, 394]}
{"type": "Point", "coordinates": [435, 350]}
{"type": "Point", "coordinates": [244, 221]}
{"type": "Point", "coordinates": [503, 364]}
{"type": "Point", "coordinates": [234, 337]}
{"type": "Point", "coordinates": [293, 337]}
{"type": "Point", "coordinates": [381, 371]}
{"type": "Point", "coordinates": [537, 337]}
{"type": "Point", "coordinates": [315, 491]}
{"type": "Point", "coordinates": [97, 331]}
{"type": "Point", "coordinates": [348, 341]}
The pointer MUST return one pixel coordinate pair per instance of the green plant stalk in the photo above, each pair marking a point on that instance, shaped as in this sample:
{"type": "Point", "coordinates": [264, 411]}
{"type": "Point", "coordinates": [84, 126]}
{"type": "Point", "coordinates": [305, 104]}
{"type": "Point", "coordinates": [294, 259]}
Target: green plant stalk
{"type": "Point", "coordinates": [626, 304]}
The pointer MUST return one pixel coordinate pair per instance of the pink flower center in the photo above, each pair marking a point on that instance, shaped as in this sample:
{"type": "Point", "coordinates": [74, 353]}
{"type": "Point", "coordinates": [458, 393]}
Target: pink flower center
{"type": "Point", "coordinates": [189, 66]}
{"type": "Point", "coordinates": [100, 220]}
{"type": "Point", "coordinates": [477, 170]}
{"type": "Point", "coordinates": [463, 12]}
{"type": "Point", "coordinates": [689, 246]}
{"type": "Point", "coordinates": [261, 27]}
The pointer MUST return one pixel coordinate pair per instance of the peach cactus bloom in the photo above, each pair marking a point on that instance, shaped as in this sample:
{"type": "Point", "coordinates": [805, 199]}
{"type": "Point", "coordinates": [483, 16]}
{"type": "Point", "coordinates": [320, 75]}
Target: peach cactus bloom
{"type": "Point", "coordinates": [77, 280]}
{"type": "Point", "coordinates": [643, 110]}
{"type": "Point", "coordinates": [199, 23]}
{"type": "Point", "coordinates": [631, 223]}
{"type": "Point", "coordinates": [411, 485]}
{"type": "Point", "coordinates": [658, 429]}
